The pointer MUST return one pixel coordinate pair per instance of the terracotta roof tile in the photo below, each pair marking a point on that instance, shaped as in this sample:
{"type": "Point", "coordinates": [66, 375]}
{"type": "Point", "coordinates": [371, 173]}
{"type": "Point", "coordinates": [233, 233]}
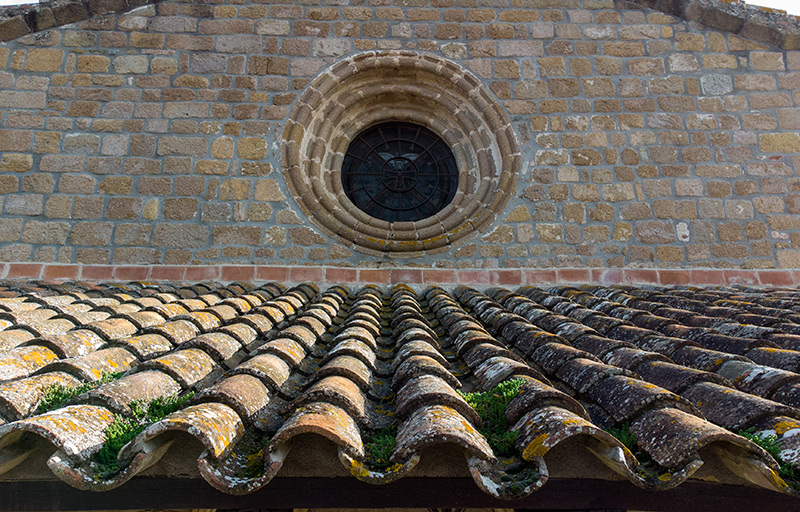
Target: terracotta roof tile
{"type": "Point", "coordinates": [682, 369]}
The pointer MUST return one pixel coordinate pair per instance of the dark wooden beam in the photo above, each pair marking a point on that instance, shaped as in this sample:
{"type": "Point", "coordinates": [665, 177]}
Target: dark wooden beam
{"type": "Point", "coordinates": [282, 493]}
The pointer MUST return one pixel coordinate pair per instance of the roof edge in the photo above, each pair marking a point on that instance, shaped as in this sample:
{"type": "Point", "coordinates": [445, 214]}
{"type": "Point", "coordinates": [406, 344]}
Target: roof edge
{"type": "Point", "coordinates": [20, 20]}
{"type": "Point", "coordinates": [772, 27]}
{"type": "Point", "coordinates": [289, 492]}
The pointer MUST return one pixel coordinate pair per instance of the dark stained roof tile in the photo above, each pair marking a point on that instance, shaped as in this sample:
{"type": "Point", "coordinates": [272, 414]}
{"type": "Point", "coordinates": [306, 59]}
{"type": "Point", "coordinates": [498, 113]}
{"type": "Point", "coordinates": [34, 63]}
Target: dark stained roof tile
{"type": "Point", "coordinates": [339, 391]}
{"type": "Point", "coordinates": [430, 389]}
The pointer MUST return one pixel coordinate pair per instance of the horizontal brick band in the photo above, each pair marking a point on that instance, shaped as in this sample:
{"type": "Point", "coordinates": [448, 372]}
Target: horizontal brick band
{"type": "Point", "coordinates": [423, 276]}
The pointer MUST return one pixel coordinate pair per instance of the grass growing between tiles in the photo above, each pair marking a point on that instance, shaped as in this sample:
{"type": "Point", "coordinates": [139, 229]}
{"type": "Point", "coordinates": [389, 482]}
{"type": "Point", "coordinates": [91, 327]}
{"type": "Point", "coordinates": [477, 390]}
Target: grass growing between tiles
{"type": "Point", "coordinates": [491, 407]}
{"type": "Point", "coordinates": [58, 395]}
{"type": "Point", "coordinates": [772, 445]}
{"type": "Point", "coordinates": [379, 447]}
{"type": "Point", "coordinates": [624, 435]}
{"type": "Point", "coordinates": [124, 429]}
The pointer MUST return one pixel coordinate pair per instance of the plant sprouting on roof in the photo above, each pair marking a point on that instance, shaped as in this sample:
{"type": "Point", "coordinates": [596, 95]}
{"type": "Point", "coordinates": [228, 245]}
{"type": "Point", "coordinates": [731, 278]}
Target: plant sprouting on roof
{"type": "Point", "coordinates": [57, 395]}
{"type": "Point", "coordinates": [491, 407]}
{"type": "Point", "coordinates": [772, 445]}
{"type": "Point", "coordinates": [379, 446]}
{"type": "Point", "coordinates": [123, 429]}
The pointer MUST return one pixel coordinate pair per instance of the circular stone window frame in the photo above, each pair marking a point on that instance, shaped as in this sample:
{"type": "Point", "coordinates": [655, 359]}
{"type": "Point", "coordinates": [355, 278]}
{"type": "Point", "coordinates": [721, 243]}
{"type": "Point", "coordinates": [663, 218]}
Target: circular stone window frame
{"type": "Point", "coordinates": [375, 87]}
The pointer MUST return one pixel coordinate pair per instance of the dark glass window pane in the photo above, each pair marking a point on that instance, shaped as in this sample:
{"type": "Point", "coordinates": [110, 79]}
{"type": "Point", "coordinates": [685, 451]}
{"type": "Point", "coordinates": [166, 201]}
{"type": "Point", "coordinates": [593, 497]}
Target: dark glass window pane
{"type": "Point", "coordinates": [399, 172]}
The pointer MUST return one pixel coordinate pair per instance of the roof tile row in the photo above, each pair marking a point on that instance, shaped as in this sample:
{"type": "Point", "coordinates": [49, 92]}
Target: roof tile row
{"type": "Point", "coordinates": [260, 369]}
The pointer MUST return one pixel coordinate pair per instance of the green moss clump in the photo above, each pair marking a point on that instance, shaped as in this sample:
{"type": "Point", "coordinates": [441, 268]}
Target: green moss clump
{"type": "Point", "coordinates": [625, 436]}
{"type": "Point", "coordinates": [123, 429]}
{"type": "Point", "coordinates": [628, 438]}
{"type": "Point", "coordinates": [379, 447]}
{"type": "Point", "coordinates": [772, 445]}
{"type": "Point", "coordinates": [253, 457]}
{"type": "Point", "coordinates": [491, 407]}
{"type": "Point", "coordinates": [57, 395]}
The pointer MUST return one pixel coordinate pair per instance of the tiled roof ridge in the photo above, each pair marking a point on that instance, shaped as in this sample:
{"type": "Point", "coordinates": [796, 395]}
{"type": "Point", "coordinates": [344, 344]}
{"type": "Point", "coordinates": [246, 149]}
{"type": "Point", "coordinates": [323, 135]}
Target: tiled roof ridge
{"type": "Point", "coordinates": [683, 368]}
{"type": "Point", "coordinates": [765, 25]}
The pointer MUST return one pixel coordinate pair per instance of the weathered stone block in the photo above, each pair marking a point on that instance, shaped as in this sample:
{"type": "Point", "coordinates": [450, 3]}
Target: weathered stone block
{"type": "Point", "coordinates": [132, 234]}
{"type": "Point", "coordinates": [16, 162]}
{"type": "Point", "coordinates": [268, 190]}
{"type": "Point", "coordinates": [45, 232]}
{"type": "Point", "coordinates": [24, 204]}
{"type": "Point", "coordinates": [655, 232]}
{"type": "Point", "coordinates": [10, 229]}
{"type": "Point", "coordinates": [180, 235]}
{"type": "Point", "coordinates": [236, 235]}
{"type": "Point", "coordinates": [779, 142]}
{"type": "Point", "coordinates": [92, 233]}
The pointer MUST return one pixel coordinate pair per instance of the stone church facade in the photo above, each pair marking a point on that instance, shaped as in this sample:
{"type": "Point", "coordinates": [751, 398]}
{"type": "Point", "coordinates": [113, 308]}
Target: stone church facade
{"type": "Point", "coordinates": [610, 138]}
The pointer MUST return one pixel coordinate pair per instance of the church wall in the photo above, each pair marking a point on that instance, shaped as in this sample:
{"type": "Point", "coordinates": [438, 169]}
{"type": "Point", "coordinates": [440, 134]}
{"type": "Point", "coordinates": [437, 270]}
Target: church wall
{"type": "Point", "coordinates": [154, 136]}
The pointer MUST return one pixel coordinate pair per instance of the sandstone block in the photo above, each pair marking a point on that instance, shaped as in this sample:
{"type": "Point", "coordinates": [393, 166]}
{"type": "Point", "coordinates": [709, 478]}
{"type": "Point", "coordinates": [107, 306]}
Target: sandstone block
{"type": "Point", "coordinates": [272, 27]}
{"type": "Point", "coordinates": [91, 233]}
{"type": "Point", "coordinates": [767, 61]}
{"type": "Point", "coordinates": [10, 229]}
{"type": "Point", "coordinates": [655, 232]}
{"type": "Point", "coordinates": [268, 190]}
{"type": "Point", "coordinates": [180, 235]}
{"type": "Point", "coordinates": [211, 167]}
{"type": "Point", "coordinates": [779, 142]}
{"type": "Point", "coordinates": [131, 64]}
{"type": "Point", "coordinates": [15, 140]}
{"type": "Point", "coordinates": [276, 235]}
{"type": "Point", "coordinates": [618, 192]}
{"type": "Point", "coordinates": [45, 232]}
{"type": "Point", "coordinates": [222, 148]}
{"type": "Point", "coordinates": [739, 209]}
{"type": "Point", "coordinates": [788, 258]}
{"type": "Point", "coordinates": [252, 148]}
{"type": "Point", "coordinates": [189, 146]}
{"type": "Point", "coordinates": [672, 209]}
{"type": "Point", "coordinates": [136, 256]}
{"type": "Point", "coordinates": [305, 236]}
{"type": "Point", "coordinates": [58, 207]}
{"type": "Point", "coordinates": [549, 233]}
{"type": "Point", "coordinates": [235, 190]}
{"type": "Point", "coordinates": [38, 183]}
{"type": "Point", "coordinates": [132, 234]}
{"type": "Point", "coordinates": [150, 210]}
{"type": "Point", "coordinates": [518, 214]}
{"type": "Point", "coordinates": [124, 208]}
{"type": "Point", "coordinates": [114, 185]}
{"type": "Point", "coordinates": [16, 162]}
{"type": "Point", "coordinates": [236, 235]}
{"type": "Point", "coordinates": [24, 204]}
{"type": "Point", "coordinates": [44, 60]}
{"type": "Point", "coordinates": [259, 212]}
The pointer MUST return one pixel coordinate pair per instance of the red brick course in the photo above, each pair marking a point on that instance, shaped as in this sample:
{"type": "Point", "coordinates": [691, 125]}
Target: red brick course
{"type": "Point", "coordinates": [412, 276]}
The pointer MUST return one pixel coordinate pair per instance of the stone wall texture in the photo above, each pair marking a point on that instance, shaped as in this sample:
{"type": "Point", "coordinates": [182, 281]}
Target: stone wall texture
{"type": "Point", "coordinates": [153, 136]}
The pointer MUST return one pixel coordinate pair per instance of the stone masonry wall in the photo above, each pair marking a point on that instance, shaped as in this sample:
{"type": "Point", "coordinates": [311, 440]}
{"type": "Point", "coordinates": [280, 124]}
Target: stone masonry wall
{"type": "Point", "coordinates": [153, 137]}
